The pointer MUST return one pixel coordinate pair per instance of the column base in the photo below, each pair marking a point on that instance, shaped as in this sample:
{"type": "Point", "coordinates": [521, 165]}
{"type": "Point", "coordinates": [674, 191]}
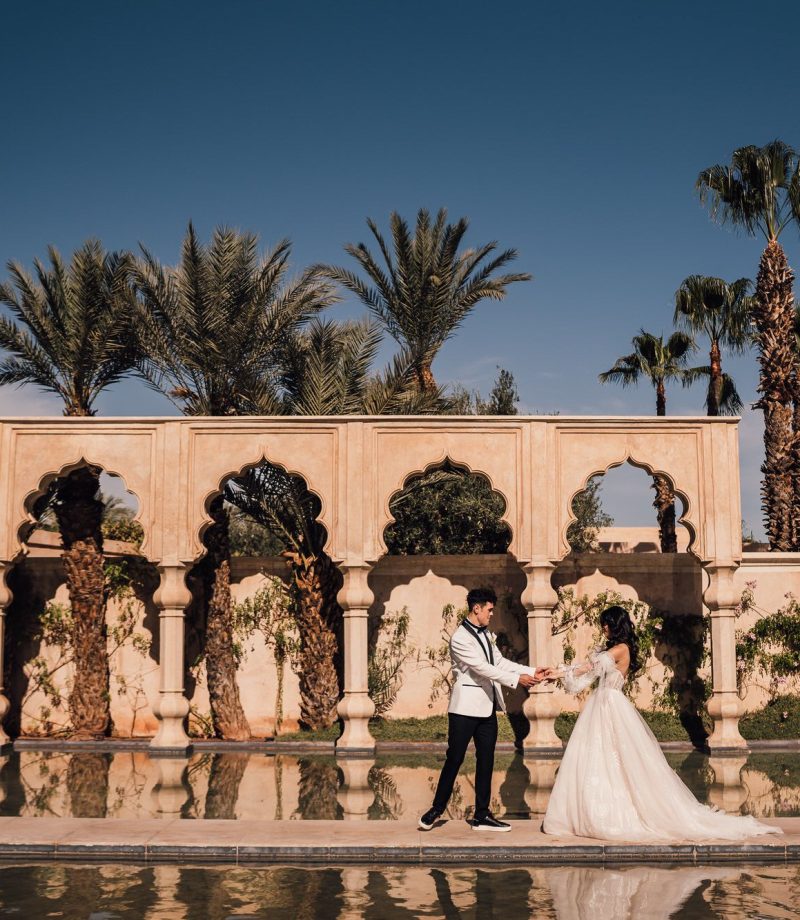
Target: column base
{"type": "Point", "coordinates": [356, 709]}
{"type": "Point", "coordinates": [725, 708]}
{"type": "Point", "coordinates": [541, 710]}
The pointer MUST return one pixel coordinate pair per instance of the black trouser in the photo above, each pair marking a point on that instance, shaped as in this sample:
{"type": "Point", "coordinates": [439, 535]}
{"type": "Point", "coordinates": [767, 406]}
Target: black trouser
{"type": "Point", "coordinates": [462, 730]}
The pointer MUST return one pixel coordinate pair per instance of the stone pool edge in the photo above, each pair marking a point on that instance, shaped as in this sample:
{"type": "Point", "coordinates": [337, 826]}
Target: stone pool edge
{"type": "Point", "coordinates": [336, 842]}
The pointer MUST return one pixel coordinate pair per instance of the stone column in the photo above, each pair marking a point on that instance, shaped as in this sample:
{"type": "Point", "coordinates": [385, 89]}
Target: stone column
{"type": "Point", "coordinates": [541, 707]}
{"type": "Point", "coordinates": [5, 602]}
{"type": "Point", "coordinates": [355, 708]}
{"type": "Point", "coordinates": [724, 707]}
{"type": "Point", "coordinates": [171, 597]}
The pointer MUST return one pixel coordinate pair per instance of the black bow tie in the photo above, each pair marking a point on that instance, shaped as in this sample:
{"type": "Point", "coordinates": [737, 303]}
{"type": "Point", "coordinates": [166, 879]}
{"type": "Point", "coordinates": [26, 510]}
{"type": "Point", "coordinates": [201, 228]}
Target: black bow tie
{"type": "Point", "coordinates": [479, 629]}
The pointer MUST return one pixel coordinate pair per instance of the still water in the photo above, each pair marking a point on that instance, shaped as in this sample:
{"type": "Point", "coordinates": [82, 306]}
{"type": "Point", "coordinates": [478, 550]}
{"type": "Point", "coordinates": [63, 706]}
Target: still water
{"type": "Point", "coordinates": [111, 892]}
{"type": "Point", "coordinates": [284, 787]}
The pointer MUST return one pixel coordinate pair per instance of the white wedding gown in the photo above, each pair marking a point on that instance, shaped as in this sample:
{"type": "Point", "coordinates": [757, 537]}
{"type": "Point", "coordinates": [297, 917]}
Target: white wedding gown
{"type": "Point", "coordinates": [614, 782]}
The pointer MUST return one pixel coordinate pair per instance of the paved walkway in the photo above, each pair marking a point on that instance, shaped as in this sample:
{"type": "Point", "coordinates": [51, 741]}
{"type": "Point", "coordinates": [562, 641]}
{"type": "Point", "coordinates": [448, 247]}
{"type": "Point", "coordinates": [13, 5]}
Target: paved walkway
{"type": "Point", "coordinates": [338, 842]}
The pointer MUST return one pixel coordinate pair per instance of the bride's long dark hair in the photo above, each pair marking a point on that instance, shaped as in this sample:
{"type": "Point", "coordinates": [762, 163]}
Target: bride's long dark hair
{"type": "Point", "coordinates": [621, 631]}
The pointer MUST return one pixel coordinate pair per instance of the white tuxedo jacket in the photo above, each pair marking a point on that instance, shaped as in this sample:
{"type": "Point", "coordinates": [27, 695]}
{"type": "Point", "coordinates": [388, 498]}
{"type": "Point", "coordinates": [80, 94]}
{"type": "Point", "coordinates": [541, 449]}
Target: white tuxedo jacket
{"type": "Point", "coordinates": [477, 681]}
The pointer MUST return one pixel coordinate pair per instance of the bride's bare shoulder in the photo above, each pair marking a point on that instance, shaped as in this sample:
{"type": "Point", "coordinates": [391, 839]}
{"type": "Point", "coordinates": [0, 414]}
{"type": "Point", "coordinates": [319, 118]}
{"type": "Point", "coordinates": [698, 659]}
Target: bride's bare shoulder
{"type": "Point", "coordinates": [620, 653]}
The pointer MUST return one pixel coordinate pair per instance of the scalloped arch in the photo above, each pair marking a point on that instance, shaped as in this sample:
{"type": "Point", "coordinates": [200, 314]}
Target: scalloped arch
{"type": "Point", "coordinates": [205, 520]}
{"type": "Point", "coordinates": [444, 458]}
{"type": "Point", "coordinates": [651, 471]}
{"type": "Point", "coordinates": [23, 528]}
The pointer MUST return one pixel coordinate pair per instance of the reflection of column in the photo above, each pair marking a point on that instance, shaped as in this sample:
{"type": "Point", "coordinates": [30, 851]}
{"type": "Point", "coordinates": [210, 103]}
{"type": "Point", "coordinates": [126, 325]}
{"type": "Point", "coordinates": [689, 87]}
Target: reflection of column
{"type": "Point", "coordinates": [355, 708]}
{"type": "Point", "coordinates": [171, 791]}
{"type": "Point", "coordinates": [543, 776]}
{"type": "Point", "coordinates": [355, 795]}
{"type": "Point", "coordinates": [355, 894]}
{"type": "Point", "coordinates": [728, 792]}
{"type": "Point", "coordinates": [5, 601]}
{"type": "Point", "coordinates": [541, 707]}
{"type": "Point", "coordinates": [172, 707]}
{"type": "Point", "coordinates": [724, 707]}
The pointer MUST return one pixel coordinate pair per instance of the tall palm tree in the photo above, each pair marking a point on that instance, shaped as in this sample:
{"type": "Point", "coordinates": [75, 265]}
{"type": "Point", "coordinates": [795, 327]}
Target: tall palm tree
{"type": "Point", "coordinates": [426, 288]}
{"type": "Point", "coordinates": [658, 361]}
{"type": "Point", "coordinates": [73, 337]}
{"type": "Point", "coordinates": [214, 332]}
{"type": "Point", "coordinates": [722, 312]}
{"type": "Point", "coordinates": [759, 191]}
{"type": "Point", "coordinates": [328, 372]}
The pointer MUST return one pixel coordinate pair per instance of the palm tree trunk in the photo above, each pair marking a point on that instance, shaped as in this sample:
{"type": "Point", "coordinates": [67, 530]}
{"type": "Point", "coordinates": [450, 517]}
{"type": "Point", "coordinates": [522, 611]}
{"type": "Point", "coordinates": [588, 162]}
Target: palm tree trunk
{"type": "Point", "coordinates": [227, 714]}
{"type": "Point", "coordinates": [715, 380]}
{"type": "Point", "coordinates": [796, 465]}
{"type": "Point", "coordinates": [664, 502]}
{"type": "Point", "coordinates": [661, 398]}
{"type": "Point", "coordinates": [79, 514]}
{"type": "Point", "coordinates": [318, 619]}
{"type": "Point", "coordinates": [774, 319]}
{"type": "Point", "coordinates": [426, 380]}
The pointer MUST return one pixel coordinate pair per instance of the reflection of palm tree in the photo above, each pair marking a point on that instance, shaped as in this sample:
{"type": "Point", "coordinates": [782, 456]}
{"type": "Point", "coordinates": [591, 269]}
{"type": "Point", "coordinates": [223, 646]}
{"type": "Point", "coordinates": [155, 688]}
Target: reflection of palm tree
{"type": "Point", "coordinates": [319, 783]}
{"type": "Point", "coordinates": [224, 780]}
{"type": "Point", "coordinates": [87, 784]}
{"type": "Point", "coordinates": [387, 804]}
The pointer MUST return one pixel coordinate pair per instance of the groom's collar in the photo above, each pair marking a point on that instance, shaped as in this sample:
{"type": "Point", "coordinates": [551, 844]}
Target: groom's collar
{"type": "Point", "coordinates": [479, 630]}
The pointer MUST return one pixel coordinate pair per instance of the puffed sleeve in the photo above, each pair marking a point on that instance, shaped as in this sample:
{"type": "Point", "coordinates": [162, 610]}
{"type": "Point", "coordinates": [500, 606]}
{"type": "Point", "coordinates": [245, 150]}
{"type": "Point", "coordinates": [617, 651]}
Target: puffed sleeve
{"type": "Point", "coordinates": [577, 677]}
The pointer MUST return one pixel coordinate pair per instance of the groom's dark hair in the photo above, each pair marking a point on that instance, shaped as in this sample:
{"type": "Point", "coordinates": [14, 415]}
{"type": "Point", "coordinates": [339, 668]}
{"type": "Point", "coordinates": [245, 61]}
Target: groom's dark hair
{"type": "Point", "coordinates": [481, 596]}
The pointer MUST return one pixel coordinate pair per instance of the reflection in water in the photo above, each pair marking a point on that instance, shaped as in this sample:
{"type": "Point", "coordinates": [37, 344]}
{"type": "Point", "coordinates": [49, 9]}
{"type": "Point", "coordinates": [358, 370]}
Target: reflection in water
{"type": "Point", "coordinates": [285, 787]}
{"type": "Point", "coordinates": [399, 893]}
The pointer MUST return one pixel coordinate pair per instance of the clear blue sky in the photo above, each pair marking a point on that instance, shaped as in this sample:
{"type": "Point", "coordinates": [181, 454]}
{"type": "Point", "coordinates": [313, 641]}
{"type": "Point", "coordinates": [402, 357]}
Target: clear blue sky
{"type": "Point", "coordinates": [573, 132]}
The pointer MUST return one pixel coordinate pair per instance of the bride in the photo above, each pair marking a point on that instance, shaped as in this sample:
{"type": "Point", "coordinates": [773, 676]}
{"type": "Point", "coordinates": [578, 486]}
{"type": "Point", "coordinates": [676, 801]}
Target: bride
{"type": "Point", "coordinates": [614, 783]}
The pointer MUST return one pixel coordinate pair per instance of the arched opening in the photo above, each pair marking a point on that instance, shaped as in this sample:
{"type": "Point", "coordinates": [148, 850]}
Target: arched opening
{"type": "Point", "coordinates": [448, 534]}
{"type": "Point", "coordinates": [626, 509]}
{"type": "Point", "coordinates": [82, 624]}
{"type": "Point", "coordinates": [620, 554]}
{"type": "Point", "coordinates": [264, 627]}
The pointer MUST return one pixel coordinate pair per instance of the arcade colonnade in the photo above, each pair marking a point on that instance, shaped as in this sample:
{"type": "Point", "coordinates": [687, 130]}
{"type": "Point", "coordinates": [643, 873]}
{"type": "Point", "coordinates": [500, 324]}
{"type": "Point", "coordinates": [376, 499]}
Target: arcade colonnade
{"type": "Point", "coordinates": [175, 466]}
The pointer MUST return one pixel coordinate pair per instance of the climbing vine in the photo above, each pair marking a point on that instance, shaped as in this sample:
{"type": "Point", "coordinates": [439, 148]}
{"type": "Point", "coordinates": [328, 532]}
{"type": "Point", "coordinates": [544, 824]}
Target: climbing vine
{"type": "Point", "coordinates": [768, 653]}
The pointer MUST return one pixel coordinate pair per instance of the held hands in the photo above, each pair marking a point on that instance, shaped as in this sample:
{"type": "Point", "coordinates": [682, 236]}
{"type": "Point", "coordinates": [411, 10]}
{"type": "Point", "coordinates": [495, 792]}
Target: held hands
{"type": "Point", "coordinates": [530, 680]}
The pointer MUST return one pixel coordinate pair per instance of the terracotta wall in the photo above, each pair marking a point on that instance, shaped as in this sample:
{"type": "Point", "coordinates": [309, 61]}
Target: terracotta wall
{"type": "Point", "coordinates": [423, 585]}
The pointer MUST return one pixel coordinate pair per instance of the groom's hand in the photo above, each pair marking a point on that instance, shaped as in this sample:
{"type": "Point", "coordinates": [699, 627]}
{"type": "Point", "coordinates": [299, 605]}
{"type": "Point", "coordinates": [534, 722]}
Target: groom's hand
{"type": "Point", "coordinates": [541, 674]}
{"type": "Point", "coordinates": [527, 680]}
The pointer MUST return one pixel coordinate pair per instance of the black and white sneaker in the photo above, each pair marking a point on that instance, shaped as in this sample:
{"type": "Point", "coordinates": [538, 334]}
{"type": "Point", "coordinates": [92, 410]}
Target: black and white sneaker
{"type": "Point", "coordinates": [489, 823]}
{"type": "Point", "coordinates": [430, 818]}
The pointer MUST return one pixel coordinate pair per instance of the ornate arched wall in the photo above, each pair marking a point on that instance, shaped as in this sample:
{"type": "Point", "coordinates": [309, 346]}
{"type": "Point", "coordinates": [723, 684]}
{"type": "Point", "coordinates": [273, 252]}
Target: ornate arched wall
{"type": "Point", "coordinates": [355, 465]}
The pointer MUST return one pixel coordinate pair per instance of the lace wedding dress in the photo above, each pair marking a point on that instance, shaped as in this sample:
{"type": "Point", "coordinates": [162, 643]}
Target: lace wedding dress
{"type": "Point", "coordinates": [614, 783]}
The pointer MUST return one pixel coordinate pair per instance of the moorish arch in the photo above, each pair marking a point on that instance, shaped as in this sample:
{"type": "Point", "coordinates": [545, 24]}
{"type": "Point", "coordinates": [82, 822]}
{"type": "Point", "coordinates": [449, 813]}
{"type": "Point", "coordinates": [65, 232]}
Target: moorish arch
{"type": "Point", "coordinates": [446, 464]}
{"type": "Point", "coordinates": [355, 464]}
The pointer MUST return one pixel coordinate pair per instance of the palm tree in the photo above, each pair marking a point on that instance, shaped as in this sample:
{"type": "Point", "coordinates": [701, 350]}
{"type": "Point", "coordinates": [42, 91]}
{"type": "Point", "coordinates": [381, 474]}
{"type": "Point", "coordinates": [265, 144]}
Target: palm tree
{"type": "Point", "coordinates": [722, 312]}
{"type": "Point", "coordinates": [759, 191]}
{"type": "Point", "coordinates": [73, 337]}
{"type": "Point", "coordinates": [659, 362]}
{"type": "Point", "coordinates": [425, 290]}
{"type": "Point", "coordinates": [214, 332]}
{"type": "Point", "coordinates": [327, 373]}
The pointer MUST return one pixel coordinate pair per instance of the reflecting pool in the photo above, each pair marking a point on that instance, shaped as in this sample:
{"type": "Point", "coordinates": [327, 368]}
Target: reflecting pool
{"type": "Point", "coordinates": [116, 892]}
{"type": "Point", "coordinates": [285, 787]}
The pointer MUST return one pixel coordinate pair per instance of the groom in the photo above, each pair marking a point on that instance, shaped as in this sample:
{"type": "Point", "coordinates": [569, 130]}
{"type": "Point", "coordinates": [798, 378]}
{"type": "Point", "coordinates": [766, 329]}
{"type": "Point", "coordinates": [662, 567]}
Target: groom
{"type": "Point", "coordinates": [478, 670]}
